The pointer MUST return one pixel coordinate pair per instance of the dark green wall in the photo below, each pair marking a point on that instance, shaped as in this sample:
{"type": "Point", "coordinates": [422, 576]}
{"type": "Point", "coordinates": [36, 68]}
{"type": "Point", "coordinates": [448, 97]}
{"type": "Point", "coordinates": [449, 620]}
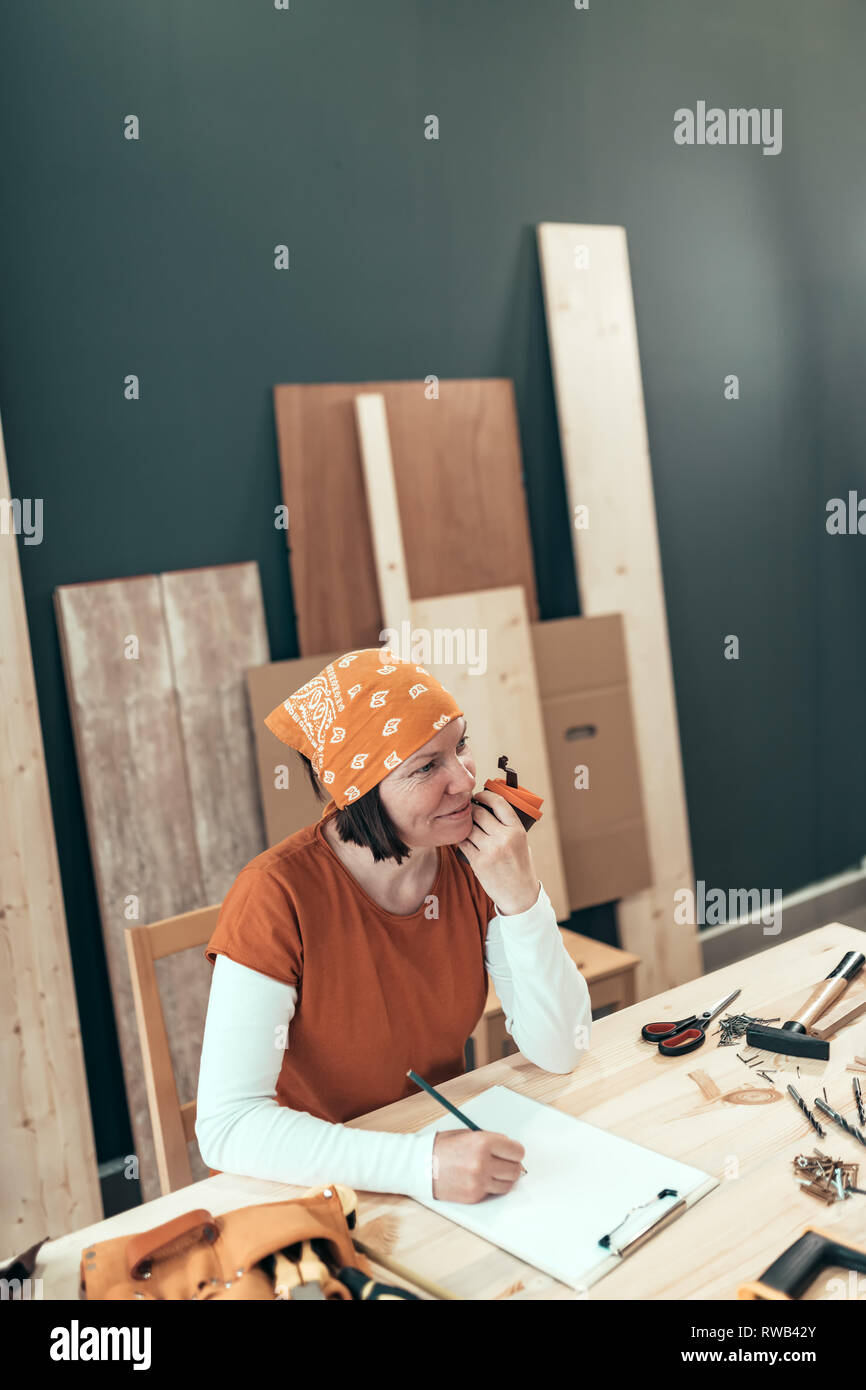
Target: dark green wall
{"type": "Point", "coordinates": [412, 257]}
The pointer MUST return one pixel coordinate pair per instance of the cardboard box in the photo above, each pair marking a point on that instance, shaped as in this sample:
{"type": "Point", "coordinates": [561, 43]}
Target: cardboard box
{"type": "Point", "coordinates": [288, 801]}
{"type": "Point", "coordinates": [583, 679]}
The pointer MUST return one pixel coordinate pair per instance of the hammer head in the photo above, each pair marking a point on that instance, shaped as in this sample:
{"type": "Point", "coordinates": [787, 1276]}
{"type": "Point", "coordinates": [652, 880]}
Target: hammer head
{"type": "Point", "coordinates": [793, 1040]}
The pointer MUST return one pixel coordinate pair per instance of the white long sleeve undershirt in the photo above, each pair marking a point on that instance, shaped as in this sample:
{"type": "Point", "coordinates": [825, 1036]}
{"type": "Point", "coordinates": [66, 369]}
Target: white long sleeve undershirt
{"type": "Point", "coordinates": [242, 1129]}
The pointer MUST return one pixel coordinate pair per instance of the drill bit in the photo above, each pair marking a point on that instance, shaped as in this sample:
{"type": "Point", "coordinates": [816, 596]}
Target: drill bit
{"type": "Point", "coordinates": [807, 1112]}
{"type": "Point", "coordinates": [841, 1121]}
{"type": "Point", "coordinates": [858, 1096]}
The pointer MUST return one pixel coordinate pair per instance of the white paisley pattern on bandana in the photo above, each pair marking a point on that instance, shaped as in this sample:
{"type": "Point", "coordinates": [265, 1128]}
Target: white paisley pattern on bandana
{"type": "Point", "coordinates": [355, 735]}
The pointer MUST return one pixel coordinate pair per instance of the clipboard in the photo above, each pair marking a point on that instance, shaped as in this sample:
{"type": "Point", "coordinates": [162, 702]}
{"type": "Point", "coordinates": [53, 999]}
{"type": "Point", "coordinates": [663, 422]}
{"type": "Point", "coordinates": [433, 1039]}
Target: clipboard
{"type": "Point", "coordinates": [589, 1198]}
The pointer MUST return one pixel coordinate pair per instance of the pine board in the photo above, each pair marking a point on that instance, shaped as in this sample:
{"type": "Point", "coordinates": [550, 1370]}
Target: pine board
{"type": "Point", "coordinates": [599, 394]}
{"type": "Point", "coordinates": [50, 1180]}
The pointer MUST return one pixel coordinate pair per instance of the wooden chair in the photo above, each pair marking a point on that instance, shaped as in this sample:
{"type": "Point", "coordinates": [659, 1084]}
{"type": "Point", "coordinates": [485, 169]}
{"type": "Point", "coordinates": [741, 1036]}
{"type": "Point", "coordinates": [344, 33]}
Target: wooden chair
{"type": "Point", "coordinates": [173, 1124]}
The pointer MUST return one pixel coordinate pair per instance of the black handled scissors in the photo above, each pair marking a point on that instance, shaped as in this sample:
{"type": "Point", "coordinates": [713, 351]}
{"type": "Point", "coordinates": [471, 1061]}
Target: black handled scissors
{"type": "Point", "coordinates": [674, 1039]}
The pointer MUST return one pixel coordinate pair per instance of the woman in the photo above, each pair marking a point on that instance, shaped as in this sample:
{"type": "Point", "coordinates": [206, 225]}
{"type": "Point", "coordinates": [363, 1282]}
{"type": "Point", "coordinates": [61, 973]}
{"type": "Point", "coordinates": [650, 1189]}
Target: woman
{"type": "Point", "coordinates": [359, 947]}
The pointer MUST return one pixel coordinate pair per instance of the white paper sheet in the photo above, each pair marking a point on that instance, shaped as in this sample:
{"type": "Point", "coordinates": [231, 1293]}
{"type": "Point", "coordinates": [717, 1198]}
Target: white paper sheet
{"type": "Point", "coordinates": [580, 1183]}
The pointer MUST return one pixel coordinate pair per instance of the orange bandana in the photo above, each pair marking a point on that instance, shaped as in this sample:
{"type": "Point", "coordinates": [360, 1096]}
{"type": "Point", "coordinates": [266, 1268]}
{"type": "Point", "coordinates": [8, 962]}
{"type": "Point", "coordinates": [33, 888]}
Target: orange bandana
{"type": "Point", "coordinates": [362, 716]}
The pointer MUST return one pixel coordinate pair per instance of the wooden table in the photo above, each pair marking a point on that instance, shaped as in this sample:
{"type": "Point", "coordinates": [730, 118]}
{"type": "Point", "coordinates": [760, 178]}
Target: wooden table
{"type": "Point", "coordinates": [706, 1108]}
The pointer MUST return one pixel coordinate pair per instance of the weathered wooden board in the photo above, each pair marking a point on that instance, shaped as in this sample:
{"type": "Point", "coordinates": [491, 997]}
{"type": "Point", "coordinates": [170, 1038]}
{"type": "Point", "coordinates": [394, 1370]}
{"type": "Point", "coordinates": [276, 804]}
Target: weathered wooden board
{"type": "Point", "coordinates": [288, 800]}
{"type": "Point", "coordinates": [462, 505]}
{"type": "Point", "coordinates": [596, 371]}
{"type": "Point", "coordinates": [155, 672]}
{"type": "Point", "coordinates": [215, 620]}
{"type": "Point", "coordinates": [50, 1181]}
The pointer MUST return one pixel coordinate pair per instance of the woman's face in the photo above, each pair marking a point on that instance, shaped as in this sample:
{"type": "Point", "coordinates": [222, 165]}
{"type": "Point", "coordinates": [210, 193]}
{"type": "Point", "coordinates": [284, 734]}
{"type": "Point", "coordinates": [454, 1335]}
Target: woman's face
{"type": "Point", "coordinates": [421, 794]}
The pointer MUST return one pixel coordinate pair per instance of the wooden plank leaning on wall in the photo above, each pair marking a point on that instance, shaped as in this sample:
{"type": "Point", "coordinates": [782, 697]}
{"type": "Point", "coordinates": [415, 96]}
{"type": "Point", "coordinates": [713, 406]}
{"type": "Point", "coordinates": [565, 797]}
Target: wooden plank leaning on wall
{"type": "Point", "coordinates": [50, 1181]}
{"type": "Point", "coordinates": [153, 698]}
{"type": "Point", "coordinates": [500, 699]}
{"type": "Point", "coordinates": [599, 396]}
{"type": "Point", "coordinates": [139, 819]}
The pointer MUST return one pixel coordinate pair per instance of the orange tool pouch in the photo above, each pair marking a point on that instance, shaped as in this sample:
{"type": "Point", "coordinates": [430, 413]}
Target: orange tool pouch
{"type": "Point", "coordinates": [235, 1256]}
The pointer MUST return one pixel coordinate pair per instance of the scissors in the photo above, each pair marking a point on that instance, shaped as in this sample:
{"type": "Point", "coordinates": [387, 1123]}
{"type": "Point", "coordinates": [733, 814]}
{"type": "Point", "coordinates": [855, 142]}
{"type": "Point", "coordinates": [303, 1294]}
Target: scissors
{"type": "Point", "coordinates": [674, 1039]}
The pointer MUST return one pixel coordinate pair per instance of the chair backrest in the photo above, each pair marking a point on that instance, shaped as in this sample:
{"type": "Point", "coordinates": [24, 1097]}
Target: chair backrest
{"type": "Point", "coordinates": [173, 1124]}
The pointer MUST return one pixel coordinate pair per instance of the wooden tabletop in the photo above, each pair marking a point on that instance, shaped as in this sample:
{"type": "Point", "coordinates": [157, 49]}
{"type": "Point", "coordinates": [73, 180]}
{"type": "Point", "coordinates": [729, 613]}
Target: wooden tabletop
{"type": "Point", "coordinates": [706, 1108]}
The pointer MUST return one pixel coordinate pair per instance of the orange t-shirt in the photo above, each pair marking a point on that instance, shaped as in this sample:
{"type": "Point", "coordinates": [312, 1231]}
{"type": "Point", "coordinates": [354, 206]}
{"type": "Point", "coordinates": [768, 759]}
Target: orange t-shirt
{"type": "Point", "coordinates": [378, 993]}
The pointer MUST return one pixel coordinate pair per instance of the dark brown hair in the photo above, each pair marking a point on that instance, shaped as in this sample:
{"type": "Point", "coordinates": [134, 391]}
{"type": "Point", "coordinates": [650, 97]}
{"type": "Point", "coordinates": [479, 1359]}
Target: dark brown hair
{"type": "Point", "coordinates": [363, 822]}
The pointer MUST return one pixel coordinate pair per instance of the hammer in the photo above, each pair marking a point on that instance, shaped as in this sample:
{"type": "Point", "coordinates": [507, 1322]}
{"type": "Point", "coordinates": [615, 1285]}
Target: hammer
{"type": "Point", "coordinates": [794, 1037]}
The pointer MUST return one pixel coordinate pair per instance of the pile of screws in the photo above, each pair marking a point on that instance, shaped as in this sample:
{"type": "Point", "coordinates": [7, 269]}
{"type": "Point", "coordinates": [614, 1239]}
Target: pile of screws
{"type": "Point", "coordinates": [734, 1026]}
{"type": "Point", "coordinates": [828, 1179]}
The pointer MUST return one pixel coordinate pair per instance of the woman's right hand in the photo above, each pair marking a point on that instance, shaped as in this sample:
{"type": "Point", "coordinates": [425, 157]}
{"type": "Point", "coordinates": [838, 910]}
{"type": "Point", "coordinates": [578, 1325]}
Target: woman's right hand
{"type": "Point", "coordinates": [469, 1164]}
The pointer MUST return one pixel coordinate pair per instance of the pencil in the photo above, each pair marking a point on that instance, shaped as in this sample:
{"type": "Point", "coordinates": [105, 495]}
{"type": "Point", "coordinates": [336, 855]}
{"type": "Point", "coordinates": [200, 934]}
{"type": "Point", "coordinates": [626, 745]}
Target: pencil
{"type": "Point", "coordinates": [431, 1090]}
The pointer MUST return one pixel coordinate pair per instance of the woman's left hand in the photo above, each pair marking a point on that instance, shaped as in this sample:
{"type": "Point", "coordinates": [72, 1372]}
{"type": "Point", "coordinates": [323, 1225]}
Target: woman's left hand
{"type": "Point", "coordinates": [498, 851]}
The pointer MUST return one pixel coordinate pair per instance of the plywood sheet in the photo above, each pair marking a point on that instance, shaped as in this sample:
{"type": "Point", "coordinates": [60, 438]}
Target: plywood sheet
{"type": "Point", "coordinates": [481, 648]}
{"type": "Point", "coordinates": [599, 394]}
{"type": "Point", "coordinates": [462, 504]}
{"type": "Point", "coordinates": [215, 620]}
{"type": "Point", "coordinates": [288, 800]}
{"type": "Point", "coordinates": [50, 1180]}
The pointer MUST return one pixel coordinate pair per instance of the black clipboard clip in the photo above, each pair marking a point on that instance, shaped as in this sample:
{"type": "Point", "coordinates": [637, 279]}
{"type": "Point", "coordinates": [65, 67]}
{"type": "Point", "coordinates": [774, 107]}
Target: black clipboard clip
{"type": "Point", "coordinates": [648, 1231]}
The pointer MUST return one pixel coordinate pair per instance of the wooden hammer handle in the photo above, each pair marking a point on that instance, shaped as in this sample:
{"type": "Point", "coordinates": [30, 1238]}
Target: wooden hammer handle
{"type": "Point", "coordinates": [820, 999]}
